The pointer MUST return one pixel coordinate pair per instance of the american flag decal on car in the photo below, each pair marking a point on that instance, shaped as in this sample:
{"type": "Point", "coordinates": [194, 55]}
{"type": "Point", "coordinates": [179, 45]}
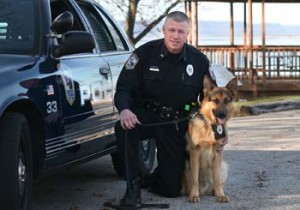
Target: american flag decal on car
{"type": "Point", "coordinates": [50, 90]}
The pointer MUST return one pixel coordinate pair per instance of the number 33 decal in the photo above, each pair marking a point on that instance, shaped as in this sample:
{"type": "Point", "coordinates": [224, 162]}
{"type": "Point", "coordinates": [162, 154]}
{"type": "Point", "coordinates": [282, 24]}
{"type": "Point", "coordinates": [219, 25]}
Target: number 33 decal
{"type": "Point", "coordinates": [51, 107]}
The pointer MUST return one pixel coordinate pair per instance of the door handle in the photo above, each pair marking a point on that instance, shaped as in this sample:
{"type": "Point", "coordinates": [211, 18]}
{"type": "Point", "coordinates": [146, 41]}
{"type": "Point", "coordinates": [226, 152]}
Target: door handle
{"type": "Point", "coordinates": [104, 71]}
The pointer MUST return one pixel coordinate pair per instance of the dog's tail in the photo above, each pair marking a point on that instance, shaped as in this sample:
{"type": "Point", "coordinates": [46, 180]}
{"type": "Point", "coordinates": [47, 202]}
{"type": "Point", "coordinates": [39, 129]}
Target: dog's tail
{"type": "Point", "coordinates": [224, 171]}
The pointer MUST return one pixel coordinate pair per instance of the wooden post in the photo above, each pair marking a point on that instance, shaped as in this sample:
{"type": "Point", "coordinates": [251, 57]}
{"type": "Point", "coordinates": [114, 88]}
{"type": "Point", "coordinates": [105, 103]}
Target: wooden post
{"type": "Point", "coordinates": [188, 8]}
{"type": "Point", "coordinates": [263, 35]}
{"type": "Point", "coordinates": [231, 56]}
{"type": "Point", "coordinates": [250, 39]}
{"type": "Point", "coordinates": [252, 71]}
{"type": "Point", "coordinates": [195, 23]}
{"type": "Point", "coordinates": [245, 41]}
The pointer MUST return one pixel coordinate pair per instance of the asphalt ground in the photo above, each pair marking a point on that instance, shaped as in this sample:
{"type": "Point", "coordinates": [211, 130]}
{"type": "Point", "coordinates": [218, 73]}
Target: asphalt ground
{"type": "Point", "coordinates": [263, 154]}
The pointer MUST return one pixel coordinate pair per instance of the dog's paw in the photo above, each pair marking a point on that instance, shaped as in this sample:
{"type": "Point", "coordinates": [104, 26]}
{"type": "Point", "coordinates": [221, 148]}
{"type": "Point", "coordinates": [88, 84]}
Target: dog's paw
{"type": "Point", "coordinates": [194, 199]}
{"type": "Point", "coordinates": [222, 199]}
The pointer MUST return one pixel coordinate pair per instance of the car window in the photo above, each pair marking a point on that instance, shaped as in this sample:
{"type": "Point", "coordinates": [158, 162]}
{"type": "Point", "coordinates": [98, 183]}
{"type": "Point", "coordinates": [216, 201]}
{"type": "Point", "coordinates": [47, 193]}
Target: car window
{"type": "Point", "coordinates": [119, 41]}
{"type": "Point", "coordinates": [59, 7]}
{"type": "Point", "coordinates": [19, 27]}
{"type": "Point", "coordinates": [107, 36]}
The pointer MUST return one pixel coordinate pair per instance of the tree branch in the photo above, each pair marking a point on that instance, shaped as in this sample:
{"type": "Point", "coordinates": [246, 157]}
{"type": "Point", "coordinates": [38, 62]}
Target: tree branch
{"type": "Point", "coordinates": [155, 22]}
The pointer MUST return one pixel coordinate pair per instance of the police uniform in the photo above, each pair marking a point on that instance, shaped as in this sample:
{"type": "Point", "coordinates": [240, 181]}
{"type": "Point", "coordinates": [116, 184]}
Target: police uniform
{"type": "Point", "coordinates": [157, 86]}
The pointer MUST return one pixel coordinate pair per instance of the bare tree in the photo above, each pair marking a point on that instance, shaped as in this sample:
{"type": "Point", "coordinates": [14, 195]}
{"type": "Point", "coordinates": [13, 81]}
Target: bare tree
{"type": "Point", "coordinates": [145, 13]}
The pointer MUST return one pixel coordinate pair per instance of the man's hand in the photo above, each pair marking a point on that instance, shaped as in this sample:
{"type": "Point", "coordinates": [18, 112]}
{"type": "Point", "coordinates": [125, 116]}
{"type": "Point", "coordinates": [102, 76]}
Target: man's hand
{"type": "Point", "coordinates": [128, 119]}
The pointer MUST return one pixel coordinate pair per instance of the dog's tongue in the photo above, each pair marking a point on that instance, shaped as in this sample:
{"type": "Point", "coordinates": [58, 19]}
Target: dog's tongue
{"type": "Point", "coordinates": [221, 121]}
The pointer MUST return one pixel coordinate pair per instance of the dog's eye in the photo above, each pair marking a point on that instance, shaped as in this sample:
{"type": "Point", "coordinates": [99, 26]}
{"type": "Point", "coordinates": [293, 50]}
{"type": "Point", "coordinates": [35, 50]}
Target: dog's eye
{"type": "Point", "coordinates": [226, 101]}
{"type": "Point", "coordinates": [216, 101]}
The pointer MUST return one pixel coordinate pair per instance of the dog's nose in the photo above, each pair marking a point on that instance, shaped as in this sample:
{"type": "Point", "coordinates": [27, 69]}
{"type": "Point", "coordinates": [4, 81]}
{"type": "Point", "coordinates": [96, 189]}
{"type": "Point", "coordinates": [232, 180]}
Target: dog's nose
{"type": "Point", "coordinates": [221, 114]}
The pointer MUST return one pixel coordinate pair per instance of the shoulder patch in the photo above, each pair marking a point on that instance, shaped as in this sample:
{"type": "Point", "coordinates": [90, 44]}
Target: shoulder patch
{"type": "Point", "coordinates": [132, 61]}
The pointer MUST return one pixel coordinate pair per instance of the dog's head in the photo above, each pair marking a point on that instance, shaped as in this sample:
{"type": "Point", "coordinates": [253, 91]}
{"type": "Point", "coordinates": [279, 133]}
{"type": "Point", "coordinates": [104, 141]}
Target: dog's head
{"type": "Point", "coordinates": [217, 106]}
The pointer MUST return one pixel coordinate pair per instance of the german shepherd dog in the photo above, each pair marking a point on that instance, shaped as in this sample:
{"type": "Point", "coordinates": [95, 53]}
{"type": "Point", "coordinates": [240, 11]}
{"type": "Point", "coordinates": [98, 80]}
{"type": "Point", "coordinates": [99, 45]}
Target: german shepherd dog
{"type": "Point", "coordinates": [205, 171]}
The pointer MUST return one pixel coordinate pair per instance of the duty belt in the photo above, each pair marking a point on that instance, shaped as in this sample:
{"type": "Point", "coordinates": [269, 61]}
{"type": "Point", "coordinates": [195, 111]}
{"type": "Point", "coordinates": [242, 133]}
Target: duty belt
{"type": "Point", "coordinates": [164, 112]}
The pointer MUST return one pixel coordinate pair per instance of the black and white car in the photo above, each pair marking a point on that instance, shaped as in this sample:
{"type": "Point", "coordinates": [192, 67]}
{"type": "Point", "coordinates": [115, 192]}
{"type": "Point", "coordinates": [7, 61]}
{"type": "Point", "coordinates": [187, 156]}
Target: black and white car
{"type": "Point", "coordinates": [59, 63]}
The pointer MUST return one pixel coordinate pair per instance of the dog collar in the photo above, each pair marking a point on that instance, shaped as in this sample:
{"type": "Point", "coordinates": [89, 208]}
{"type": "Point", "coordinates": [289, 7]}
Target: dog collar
{"type": "Point", "coordinates": [219, 131]}
{"type": "Point", "coordinates": [194, 114]}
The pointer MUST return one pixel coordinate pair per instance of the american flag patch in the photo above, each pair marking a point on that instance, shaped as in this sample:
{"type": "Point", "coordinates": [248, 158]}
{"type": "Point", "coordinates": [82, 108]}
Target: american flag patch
{"type": "Point", "coordinates": [50, 90]}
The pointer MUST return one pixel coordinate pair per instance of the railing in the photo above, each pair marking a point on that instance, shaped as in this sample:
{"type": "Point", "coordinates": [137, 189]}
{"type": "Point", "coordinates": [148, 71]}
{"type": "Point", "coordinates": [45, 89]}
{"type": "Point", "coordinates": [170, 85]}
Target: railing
{"type": "Point", "coordinates": [271, 62]}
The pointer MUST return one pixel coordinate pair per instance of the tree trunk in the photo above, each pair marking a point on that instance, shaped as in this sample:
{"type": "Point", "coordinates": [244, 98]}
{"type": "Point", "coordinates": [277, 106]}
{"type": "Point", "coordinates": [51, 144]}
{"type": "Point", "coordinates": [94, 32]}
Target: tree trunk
{"type": "Point", "coordinates": [129, 25]}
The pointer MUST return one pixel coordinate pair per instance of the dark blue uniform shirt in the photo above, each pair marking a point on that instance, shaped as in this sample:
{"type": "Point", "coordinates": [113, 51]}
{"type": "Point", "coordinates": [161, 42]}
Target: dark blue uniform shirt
{"type": "Point", "coordinates": [172, 80]}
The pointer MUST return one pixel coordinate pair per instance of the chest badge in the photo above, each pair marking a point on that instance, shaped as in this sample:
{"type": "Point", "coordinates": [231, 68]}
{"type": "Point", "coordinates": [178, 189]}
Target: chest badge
{"type": "Point", "coordinates": [190, 70]}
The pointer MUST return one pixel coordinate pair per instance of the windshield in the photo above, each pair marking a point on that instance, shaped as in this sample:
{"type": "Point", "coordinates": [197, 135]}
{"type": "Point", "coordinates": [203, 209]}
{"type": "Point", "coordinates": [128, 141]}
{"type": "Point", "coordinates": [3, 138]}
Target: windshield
{"type": "Point", "coordinates": [18, 29]}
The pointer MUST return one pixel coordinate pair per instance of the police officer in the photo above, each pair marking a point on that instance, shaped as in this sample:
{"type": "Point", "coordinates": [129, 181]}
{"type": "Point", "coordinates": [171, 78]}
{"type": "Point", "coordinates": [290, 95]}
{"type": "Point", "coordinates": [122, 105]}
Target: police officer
{"type": "Point", "coordinates": [160, 79]}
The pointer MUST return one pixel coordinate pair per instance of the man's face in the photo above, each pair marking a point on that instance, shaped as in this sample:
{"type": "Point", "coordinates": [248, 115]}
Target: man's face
{"type": "Point", "coordinates": [175, 35]}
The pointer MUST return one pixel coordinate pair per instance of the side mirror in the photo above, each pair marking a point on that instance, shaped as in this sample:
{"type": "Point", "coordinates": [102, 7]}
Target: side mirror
{"type": "Point", "coordinates": [73, 42]}
{"type": "Point", "coordinates": [63, 23]}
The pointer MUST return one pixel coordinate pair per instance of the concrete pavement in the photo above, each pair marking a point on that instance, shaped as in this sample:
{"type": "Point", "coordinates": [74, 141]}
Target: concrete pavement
{"type": "Point", "coordinates": [263, 154]}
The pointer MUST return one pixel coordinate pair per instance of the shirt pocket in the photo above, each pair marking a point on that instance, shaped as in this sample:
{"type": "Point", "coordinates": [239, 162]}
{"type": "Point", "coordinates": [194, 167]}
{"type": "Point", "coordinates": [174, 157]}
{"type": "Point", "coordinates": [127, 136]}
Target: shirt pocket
{"type": "Point", "coordinates": [195, 80]}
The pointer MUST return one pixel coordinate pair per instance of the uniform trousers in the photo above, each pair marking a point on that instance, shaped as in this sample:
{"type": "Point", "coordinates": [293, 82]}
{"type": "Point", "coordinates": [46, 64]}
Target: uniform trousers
{"type": "Point", "coordinates": [171, 151]}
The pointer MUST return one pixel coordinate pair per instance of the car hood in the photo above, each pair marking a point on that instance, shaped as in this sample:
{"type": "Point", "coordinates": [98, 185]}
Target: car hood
{"type": "Point", "coordinates": [16, 62]}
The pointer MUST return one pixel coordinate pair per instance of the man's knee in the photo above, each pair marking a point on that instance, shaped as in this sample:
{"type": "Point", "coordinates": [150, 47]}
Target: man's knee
{"type": "Point", "coordinates": [168, 189]}
{"type": "Point", "coordinates": [173, 191]}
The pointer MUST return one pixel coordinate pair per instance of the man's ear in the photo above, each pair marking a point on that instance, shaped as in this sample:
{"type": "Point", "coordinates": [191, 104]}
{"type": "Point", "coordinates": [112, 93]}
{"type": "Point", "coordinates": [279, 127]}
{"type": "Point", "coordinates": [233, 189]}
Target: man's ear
{"type": "Point", "coordinates": [208, 85]}
{"type": "Point", "coordinates": [232, 87]}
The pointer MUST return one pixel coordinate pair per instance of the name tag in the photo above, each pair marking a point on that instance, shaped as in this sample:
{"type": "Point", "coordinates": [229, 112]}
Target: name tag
{"type": "Point", "coordinates": [154, 68]}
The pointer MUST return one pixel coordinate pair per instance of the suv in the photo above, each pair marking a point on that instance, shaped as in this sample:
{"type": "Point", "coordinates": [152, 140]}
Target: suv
{"type": "Point", "coordinates": [59, 63]}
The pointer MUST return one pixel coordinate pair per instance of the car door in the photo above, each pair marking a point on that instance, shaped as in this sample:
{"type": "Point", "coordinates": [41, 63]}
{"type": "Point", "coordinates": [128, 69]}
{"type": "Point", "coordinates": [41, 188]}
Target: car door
{"type": "Point", "coordinates": [112, 43]}
{"type": "Point", "coordinates": [86, 92]}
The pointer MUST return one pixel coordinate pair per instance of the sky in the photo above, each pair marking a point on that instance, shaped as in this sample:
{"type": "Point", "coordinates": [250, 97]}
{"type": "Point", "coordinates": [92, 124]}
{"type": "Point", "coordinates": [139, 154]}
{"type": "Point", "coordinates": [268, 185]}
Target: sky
{"type": "Point", "coordinates": [287, 13]}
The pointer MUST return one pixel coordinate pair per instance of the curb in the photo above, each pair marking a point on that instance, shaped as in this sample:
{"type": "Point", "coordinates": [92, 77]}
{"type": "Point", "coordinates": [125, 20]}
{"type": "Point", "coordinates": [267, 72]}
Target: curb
{"type": "Point", "coordinates": [268, 107]}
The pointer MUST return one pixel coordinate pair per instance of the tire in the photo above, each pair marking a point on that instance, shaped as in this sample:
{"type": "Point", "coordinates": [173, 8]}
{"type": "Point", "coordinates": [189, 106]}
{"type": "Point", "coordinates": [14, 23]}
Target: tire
{"type": "Point", "coordinates": [16, 160]}
{"type": "Point", "coordinates": [147, 158]}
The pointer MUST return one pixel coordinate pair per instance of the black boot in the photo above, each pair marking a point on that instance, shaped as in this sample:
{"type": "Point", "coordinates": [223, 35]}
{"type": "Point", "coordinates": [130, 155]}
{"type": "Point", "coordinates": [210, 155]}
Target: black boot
{"type": "Point", "coordinates": [148, 180]}
{"type": "Point", "coordinates": [133, 194]}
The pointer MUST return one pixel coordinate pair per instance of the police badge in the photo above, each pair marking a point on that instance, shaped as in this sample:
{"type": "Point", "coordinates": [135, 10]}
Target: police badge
{"type": "Point", "coordinates": [190, 70]}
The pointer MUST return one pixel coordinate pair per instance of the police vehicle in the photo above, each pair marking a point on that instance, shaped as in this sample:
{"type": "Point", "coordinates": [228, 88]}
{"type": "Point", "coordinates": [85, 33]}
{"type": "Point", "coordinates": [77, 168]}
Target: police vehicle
{"type": "Point", "coordinates": [59, 63]}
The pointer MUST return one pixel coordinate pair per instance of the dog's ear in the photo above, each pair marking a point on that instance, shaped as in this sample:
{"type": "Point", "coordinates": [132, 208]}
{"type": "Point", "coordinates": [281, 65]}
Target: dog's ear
{"type": "Point", "coordinates": [232, 87]}
{"type": "Point", "coordinates": [208, 85]}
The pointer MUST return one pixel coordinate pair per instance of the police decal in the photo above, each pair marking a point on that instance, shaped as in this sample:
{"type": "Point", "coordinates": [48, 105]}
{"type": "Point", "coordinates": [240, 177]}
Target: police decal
{"type": "Point", "coordinates": [69, 89]}
{"type": "Point", "coordinates": [51, 107]}
{"type": "Point", "coordinates": [190, 70]}
{"type": "Point", "coordinates": [132, 61]}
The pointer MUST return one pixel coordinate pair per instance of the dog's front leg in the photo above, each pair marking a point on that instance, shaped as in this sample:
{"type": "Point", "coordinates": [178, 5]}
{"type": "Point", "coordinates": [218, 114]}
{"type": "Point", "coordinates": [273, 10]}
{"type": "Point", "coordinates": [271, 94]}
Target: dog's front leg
{"type": "Point", "coordinates": [221, 197]}
{"type": "Point", "coordinates": [194, 196]}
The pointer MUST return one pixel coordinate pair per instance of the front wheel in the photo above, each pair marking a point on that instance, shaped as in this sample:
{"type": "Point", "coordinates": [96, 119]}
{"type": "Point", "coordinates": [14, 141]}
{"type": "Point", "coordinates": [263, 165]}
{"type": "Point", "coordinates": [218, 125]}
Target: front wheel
{"type": "Point", "coordinates": [147, 158]}
{"type": "Point", "coordinates": [16, 162]}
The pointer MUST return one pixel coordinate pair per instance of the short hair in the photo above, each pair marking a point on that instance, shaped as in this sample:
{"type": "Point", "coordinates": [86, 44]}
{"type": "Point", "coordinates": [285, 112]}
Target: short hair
{"type": "Point", "coordinates": [178, 17]}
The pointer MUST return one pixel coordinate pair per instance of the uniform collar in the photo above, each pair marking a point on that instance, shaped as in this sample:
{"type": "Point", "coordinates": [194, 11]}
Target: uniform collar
{"type": "Point", "coordinates": [164, 52]}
